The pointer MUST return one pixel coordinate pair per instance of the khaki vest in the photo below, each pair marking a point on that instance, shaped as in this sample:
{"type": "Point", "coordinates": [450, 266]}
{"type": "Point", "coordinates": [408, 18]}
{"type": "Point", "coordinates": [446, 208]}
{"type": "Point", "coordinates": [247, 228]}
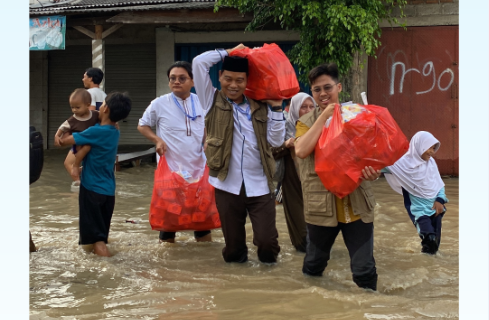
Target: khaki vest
{"type": "Point", "coordinates": [219, 123]}
{"type": "Point", "coordinates": [319, 203]}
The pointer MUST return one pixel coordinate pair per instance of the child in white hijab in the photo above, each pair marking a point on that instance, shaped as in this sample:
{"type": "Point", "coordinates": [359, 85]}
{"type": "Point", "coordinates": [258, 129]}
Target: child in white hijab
{"type": "Point", "coordinates": [417, 178]}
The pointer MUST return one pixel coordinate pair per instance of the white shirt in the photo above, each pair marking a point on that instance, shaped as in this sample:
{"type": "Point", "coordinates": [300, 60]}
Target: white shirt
{"type": "Point", "coordinates": [245, 165]}
{"type": "Point", "coordinates": [98, 97]}
{"type": "Point", "coordinates": [182, 135]}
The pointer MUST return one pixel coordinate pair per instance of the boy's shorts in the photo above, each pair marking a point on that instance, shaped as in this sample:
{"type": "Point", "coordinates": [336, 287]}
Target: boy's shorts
{"type": "Point", "coordinates": [95, 214]}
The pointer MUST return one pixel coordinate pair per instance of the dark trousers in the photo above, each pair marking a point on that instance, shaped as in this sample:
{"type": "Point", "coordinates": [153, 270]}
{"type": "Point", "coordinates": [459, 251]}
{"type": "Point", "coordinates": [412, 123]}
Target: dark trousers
{"type": "Point", "coordinates": [233, 210]}
{"type": "Point", "coordinates": [95, 215]}
{"type": "Point", "coordinates": [165, 235]}
{"type": "Point", "coordinates": [359, 240]}
{"type": "Point", "coordinates": [428, 227]}
{"type": "Point", "coordinates": [293, 204]}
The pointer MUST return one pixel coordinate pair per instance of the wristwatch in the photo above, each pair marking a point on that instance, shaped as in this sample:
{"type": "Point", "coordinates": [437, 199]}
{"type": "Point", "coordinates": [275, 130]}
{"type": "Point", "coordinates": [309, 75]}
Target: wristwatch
{"type": "Point", "coordinates": [276, 108]}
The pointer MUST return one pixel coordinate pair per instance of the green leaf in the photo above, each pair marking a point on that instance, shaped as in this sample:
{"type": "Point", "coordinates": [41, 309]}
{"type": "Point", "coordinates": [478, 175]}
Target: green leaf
{"type": "Point", "coordinates": [330, 30]}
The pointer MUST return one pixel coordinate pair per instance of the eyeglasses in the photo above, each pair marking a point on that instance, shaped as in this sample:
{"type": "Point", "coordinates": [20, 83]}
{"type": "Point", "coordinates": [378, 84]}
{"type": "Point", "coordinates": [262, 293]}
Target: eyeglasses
{"type": "Point", "coordinates": [182, 80]}
{"type": "Point", "coordinates": [327, 88]}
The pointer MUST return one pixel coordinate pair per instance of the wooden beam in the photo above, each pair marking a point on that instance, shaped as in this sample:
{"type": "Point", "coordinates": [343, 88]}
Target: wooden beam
{"type": "Point", "coordinates": [111, 30]}
{"type": "Point", "coordinates": [180, 16]}
{"type": "Point", "coordinates": [86, 21]}
{"type": "Point", "coordinates": [98, 32]}
{"type": "Point", "coordinates": [85, 31]}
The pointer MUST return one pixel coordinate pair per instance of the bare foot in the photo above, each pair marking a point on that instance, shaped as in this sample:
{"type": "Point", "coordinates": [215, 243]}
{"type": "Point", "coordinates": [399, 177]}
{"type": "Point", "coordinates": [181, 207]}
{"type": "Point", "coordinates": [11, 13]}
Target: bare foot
{"type": "Point", "coordinates": [100, 249]}
{"type": "Point", "coordinates": [206, 238]}
{"type": "Point", "coordinates": [172, 240]}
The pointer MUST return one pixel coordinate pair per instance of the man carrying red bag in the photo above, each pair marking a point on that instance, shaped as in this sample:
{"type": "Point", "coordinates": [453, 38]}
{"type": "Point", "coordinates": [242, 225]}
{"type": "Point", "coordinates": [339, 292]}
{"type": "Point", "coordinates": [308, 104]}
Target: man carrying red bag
{"type": "Point", "coordinates": [271, 75]}
{"type": "Point", "coordinates": [179, 121]}
{"type": "Point", "coordinates": [240, 132]}
{"type": "Point", "coordinates": [326, 214]}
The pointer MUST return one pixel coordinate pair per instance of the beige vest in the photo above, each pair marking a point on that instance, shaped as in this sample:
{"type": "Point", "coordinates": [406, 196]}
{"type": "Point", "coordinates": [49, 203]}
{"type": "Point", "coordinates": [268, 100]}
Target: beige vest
{"type": "Point", "coordinates": [219, 123]}
{"type": "Point", "coordinates": [319, 203]}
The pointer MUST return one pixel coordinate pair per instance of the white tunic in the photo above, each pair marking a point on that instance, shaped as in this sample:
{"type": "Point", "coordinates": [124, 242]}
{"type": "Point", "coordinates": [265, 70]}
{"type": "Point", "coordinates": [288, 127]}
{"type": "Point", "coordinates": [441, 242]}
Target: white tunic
{"type": "Point", "coordinates": [98, 97]}
{"type": "Point", "coordinates": [182, 135]}
{"type": "Point", "coordinates": [245, 165]}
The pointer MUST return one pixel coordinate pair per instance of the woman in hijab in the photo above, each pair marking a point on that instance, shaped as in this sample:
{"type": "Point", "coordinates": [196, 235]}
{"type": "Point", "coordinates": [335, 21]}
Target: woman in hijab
{"type": "Point", "coordinates": [300, 104]}
{"type": "Point", "coordinates": [417, 178]}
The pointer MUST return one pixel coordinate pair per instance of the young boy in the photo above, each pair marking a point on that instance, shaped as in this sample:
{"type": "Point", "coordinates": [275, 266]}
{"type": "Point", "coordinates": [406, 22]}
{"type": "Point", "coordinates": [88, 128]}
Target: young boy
{"type": "Point", "coordinates": [97, 189]}
{"type": "Point", "coordinates": [82, 119]}
{"type": "Point", "coordinates": [325, 214]}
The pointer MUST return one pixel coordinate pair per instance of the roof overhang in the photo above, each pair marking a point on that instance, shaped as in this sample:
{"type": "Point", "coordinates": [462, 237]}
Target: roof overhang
{"type": "Point", "coordinates": [113, 6]}
{"type": "Point", "coordinates": [180, 17]}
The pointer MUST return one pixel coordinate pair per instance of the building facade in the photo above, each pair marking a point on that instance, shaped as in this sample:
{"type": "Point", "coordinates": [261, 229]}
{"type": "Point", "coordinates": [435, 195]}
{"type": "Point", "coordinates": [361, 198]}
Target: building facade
{"type": "Point", "coordinates": [134, 42]}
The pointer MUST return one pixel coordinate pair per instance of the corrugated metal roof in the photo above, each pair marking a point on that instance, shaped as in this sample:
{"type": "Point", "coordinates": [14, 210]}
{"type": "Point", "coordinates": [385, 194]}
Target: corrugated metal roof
{"type": "Point", "coordinates": [79, 6]}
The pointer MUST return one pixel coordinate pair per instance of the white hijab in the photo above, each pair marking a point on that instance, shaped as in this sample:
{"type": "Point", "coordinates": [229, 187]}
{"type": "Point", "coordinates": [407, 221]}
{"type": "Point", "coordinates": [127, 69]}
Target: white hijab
{"type": "Point", "coordinates": [295, 105]}
{"type": "Point", "coordinates": [418, 177]}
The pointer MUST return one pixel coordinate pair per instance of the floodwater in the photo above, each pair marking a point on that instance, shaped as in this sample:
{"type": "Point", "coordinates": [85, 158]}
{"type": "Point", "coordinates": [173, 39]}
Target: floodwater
{"type": "Point", "coordinates": [188, 280]}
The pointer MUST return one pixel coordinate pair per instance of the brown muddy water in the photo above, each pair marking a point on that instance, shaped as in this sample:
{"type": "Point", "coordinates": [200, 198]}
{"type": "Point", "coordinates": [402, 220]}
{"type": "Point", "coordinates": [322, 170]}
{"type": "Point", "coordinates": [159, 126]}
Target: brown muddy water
{"type": "Point", "coordinates": [188, 280]}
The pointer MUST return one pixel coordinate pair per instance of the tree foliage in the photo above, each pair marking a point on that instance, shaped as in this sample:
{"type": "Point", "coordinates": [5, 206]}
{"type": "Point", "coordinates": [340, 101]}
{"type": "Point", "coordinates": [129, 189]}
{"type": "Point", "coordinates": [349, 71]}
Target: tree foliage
{"type": "Point", "coordinates": [330, 30]}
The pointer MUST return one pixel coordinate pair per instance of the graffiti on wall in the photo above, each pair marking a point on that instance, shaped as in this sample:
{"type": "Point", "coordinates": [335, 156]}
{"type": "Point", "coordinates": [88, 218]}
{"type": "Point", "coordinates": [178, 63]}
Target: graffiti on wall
{"type": "Point", "coordinates": [437, 81]}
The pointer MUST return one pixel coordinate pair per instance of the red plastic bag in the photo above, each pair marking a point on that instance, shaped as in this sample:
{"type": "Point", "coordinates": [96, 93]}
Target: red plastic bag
{"type": "Point", "coordinates": [372, 138]}
{"type": "Point", "coordinates": [271, 76]}
{"type": "Point", "coordinates": [178, 205]}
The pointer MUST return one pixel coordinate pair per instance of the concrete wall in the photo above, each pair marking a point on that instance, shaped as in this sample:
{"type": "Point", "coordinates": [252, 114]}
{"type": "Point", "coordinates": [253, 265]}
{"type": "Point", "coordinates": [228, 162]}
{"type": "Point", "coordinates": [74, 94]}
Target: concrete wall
{"type": "Point", "coordinates": [427, 13]}
{"type": "Point", "coordinates": [165, 56]}
{"type": "Point", "coordinates": [38, 91]}
{"type": "Point", "coordinates": [236, 36]}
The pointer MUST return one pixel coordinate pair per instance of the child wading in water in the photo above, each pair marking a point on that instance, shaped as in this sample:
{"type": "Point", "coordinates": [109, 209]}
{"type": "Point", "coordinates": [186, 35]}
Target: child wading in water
{"type": "Point", "coordinates": [82, 119]}
{"type": "Point", "coordinates": [417, 178]}
{"type": "Point", "coordinates": [97, 189]}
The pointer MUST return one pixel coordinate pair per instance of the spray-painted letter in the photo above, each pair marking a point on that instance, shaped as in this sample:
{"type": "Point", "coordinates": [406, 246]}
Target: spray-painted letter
{"type": "Point", "coordinates": [393, 76]}
{"type": "Point", "coordinates": [451, 80]}
{"type": "Point", "coordinates": [427, 73]}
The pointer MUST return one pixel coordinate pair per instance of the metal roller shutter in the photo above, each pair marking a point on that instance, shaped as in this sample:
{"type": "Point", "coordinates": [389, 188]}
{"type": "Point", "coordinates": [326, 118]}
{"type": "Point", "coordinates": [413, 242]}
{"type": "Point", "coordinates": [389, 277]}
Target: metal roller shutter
{"type": "Point", "coordinates": [65, 73]}
{"type": "Point", "coordinates": [131, 68]}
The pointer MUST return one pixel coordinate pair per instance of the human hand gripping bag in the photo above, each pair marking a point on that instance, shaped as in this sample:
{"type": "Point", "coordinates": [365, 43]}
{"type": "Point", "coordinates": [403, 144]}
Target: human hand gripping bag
{"type": "Point", "coordinates": [271, 76]}
{"type": "Point", "coordinates": [178, 205]}
{"type": "Point", "coordinates": [357, 136]}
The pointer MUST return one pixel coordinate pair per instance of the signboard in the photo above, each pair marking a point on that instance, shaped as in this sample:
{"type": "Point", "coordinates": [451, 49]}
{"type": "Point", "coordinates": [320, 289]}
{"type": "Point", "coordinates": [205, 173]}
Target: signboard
{"type": "Point", "coordinates": [47, 33]}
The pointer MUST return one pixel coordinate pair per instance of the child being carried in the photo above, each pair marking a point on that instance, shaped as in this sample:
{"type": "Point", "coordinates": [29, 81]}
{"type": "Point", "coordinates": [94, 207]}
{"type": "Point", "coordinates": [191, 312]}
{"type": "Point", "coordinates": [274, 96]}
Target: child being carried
{"type": "Point", "coordinates": [82, 119]}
